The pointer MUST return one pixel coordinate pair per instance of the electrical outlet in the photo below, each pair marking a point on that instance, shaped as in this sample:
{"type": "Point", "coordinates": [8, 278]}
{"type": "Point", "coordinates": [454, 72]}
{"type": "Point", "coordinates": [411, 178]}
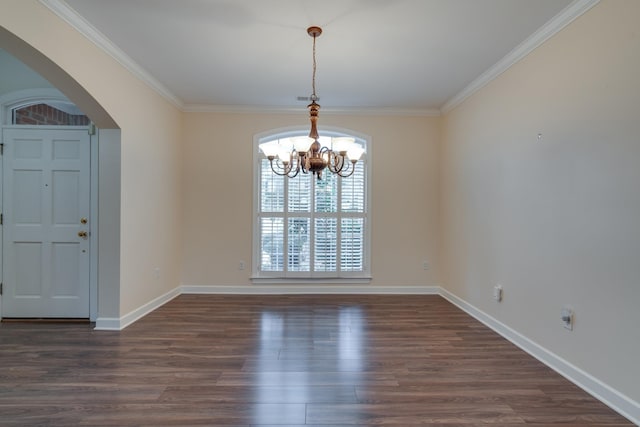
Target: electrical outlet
{"type": "Point", "coordinates": [156, 273]}
{"type": "Point", "coordinates": [497, 293]}
{"type": "Point", "coordinates": [425, 265]}
{"type": "Point", "coordinates": [566, 315]}
{"type": "Point", "coordinates": [241, 265]}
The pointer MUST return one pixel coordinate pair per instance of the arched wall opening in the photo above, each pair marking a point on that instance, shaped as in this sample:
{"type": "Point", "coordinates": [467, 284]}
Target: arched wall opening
{"type": "Point", "coordinates": [108, 165]}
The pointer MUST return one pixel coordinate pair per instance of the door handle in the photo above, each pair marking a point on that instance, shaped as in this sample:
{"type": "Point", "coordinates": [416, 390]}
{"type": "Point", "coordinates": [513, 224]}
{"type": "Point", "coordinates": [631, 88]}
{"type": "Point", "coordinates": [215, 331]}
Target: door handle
{"type": "Point", "coordinates": [83, 234]}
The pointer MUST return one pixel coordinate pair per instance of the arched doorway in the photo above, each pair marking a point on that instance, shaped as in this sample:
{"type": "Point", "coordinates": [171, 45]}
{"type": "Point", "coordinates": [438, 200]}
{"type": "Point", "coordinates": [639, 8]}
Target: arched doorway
{"type": "Point", "coordinates": [107, 171]}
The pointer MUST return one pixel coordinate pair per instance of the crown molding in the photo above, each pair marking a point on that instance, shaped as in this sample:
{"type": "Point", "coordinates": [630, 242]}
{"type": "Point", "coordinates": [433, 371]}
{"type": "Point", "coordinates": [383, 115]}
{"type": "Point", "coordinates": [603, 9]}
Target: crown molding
{"type": "Point", "coordinates": [553, 26]}
{"type": "Point", "coordinates": [240, 109]}
{"type": "Point", "coordinates": [67, 14]}
{"type": "Point", "coordinates": [548, 30]}
{"type": "Point", "coordinates": [368, 111]}
{"type": "Point", "coordinates": [266, 109]}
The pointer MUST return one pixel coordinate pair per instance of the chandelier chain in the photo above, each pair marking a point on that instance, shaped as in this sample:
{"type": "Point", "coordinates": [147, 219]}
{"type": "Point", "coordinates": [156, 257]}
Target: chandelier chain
{"type": "Point", "coordinates": [314, 97]}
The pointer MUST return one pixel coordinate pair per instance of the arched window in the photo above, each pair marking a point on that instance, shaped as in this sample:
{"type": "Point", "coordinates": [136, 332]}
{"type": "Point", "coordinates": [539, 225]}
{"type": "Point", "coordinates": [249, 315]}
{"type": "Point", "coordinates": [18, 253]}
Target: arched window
{"type": "Point", "coordinates": [48, 114]}
{"type": "Point", "coordinates": [305, 228]}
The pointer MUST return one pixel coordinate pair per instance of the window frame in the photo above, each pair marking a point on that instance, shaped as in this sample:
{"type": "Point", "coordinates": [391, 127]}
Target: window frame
{"type": "Point", "coordinates": [338, 277]}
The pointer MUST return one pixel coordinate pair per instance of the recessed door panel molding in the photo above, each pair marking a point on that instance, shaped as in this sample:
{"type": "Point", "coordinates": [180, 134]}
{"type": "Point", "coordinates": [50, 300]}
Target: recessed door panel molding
{"type": "Point", "coordinates": [65, 259]}
{"type": "Point", "coordinates": [63, 149]}
{"type": "Point", "coordinates": [27, 203]}
{"type": "Point", "coordinates": [27, 149]}
{"type": "Point", "coordinates": [28, 269]}
{"type": "Point", "coordinates": [66, 203]}
{"type": "Point", "coordinates": [46, 243]}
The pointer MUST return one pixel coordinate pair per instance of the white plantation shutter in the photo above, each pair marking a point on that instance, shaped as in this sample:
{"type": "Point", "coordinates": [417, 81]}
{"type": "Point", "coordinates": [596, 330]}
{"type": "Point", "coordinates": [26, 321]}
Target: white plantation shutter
{"type": "Point", "coordinates": [271, 189]}
{"type": "Point", "coordinates": [309, 227]}
{"type": "Point", "coordinates": [299, 193]}
{"type": "Point", "coordinates": [298, 254]}
{"type": "Point", "coordinates": [352, 244]}
{"type": "Point", "coordinates": [272, 243]}
{"type": "Point", "coordinates": [353, 190]}
{"type": "Point", "coordinates": [326, 193]}
{"type": "Point", "coordinates": [325, 245]}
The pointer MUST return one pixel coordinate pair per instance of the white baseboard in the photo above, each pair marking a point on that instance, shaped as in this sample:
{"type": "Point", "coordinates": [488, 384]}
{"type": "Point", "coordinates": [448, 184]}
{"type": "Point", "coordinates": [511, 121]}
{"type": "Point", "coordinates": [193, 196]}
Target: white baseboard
{"type": "Point", "coordinates": [117, 324]}
{"type": "Point", "coordinates": [311, 290]}
{"type": "Point", "coordinates": [108, 324]}
{"type": "Point", "coordinates": [617, 401]}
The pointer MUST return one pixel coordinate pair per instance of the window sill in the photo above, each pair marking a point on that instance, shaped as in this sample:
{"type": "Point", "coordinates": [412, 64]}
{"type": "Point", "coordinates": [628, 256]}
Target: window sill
{"type": "Point", "coordinates": [360, 280]}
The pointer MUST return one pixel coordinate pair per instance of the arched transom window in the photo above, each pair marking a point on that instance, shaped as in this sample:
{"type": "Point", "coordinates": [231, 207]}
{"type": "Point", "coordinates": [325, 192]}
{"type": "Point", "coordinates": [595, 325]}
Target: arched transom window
{"type": "Point", "coordinates": [48, 114]}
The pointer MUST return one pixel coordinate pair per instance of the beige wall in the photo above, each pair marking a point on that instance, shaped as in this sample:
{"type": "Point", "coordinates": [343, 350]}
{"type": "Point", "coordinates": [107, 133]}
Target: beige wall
{"type": "Point", "coordinates": [555, 220]}
{"type": "Point", "coordinates": [218, 194]}
{"type": "Point", "coordinates": [150, 210]}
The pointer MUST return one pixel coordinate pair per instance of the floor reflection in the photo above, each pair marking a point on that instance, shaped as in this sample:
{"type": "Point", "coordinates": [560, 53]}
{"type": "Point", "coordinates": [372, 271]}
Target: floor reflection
{"type": "Point", "coordinates": [350, 336]}
{"type": "Point", "coordinates": [308, 355]}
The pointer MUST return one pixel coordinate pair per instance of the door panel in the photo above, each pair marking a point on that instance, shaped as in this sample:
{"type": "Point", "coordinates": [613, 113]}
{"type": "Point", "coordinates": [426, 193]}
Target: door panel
{"type": "Point", "coordinates": [27, 255]}
{"type": "Point", "coordinates": [27, 201]}
{"type": "Point", "coordinates": [65, 185]}
{"type": "Point", "coordinates": [46, 193]}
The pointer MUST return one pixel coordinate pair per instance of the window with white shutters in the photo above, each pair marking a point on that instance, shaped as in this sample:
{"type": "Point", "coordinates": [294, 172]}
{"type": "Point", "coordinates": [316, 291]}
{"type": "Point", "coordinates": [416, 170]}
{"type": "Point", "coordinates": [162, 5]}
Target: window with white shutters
{"type": "Point", "coordinates": [310, 228]}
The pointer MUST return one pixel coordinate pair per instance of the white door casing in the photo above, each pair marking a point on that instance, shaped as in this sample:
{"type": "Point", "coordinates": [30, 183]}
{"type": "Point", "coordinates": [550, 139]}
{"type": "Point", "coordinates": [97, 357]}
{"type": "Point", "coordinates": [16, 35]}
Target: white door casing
{"type": "Point", "coordinates": [46, 262]}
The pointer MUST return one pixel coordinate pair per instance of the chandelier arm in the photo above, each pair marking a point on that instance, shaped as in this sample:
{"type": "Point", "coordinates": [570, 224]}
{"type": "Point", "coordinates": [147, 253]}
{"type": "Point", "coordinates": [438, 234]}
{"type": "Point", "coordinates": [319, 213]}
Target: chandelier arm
{"type": "Point", "coordinates": [295, 164]}
{"type": "Point", "coordinates": [351, 168]}
{"type": "Point", "coordinates": [337, 163]}
{"type": "Point", "coordinates": [304, 163]}
{"type": "Point", "coordinates": [295, 171]}
{"type": "Point", "coordinates": [289, 169]}
{"type": "Point", "coordinates": [296, 159]}
{"type": "Point", "coordinates": [278, 168]}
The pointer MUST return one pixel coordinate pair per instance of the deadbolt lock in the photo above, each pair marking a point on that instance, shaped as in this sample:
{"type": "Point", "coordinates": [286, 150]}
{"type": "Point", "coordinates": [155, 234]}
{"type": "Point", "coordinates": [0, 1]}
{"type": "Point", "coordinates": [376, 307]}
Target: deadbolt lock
{"type": "Point", "coordinates": [83, 234]}
{"type": "Point", "coordinates": [83, 220]}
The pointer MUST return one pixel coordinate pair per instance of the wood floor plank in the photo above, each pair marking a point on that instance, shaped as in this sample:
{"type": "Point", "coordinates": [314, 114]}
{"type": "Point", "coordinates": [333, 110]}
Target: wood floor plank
{"type": "Point", "coordinates": [259, 394]}
{"type": "Point", "coordinates": [407, 413]}
{"type": "Point", "coordinates": [323, 360]}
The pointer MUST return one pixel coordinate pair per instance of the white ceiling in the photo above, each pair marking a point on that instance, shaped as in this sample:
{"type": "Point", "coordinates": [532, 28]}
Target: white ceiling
{"type": "Point", "coordinates": [409, 55]}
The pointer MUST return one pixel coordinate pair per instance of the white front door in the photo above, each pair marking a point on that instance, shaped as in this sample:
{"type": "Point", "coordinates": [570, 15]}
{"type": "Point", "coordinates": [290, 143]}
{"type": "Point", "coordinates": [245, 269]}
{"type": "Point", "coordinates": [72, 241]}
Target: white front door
{"type": "Point", "coordinates": [46, 205]}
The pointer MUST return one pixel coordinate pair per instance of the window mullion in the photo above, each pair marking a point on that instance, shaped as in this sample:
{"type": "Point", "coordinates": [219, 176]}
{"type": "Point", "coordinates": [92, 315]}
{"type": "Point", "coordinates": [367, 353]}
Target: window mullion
{"type": "Point", "coordinates": [285, 237]}
{"type": "Point", "coordinates": [312, 229]}
{"type": "Point", "coordinates": [339, 226]}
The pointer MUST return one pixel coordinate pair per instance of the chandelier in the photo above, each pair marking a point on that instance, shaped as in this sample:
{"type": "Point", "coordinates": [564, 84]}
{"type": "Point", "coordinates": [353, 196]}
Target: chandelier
{"type": "Point", "coordinates": [289, 156]}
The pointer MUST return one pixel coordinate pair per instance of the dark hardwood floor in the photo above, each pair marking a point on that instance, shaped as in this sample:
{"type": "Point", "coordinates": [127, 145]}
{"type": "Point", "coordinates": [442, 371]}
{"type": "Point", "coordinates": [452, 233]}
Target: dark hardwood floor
{"type": "Point", "coordinates": [284, 360]}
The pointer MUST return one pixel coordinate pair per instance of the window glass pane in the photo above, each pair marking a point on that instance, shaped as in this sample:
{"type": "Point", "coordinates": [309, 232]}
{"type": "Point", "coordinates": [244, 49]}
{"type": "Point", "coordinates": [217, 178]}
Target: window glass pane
{"type": "Point", "coordinates": [352, 244]}
{"type": "Point", "coordinates": [271, 244]}
{"type": "Point", "coordinates": [300, 193]}
{"type": "Point", "coordinates": [326, 192]}
{"type": "Point", "coordinates": [49, 114]}
{"type": "Point", "coordinates": [271, 189]}
{"type": "Point", "coordinates": [353, 190]}
{"type": "Point", "coordinates": [298, 242]}
{"type": "Point", "coordinates": [325, 246]}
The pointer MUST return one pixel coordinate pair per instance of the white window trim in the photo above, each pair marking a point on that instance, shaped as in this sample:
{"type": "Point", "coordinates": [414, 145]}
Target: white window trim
{"type": "Point", "coordinates": [258, 277]}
